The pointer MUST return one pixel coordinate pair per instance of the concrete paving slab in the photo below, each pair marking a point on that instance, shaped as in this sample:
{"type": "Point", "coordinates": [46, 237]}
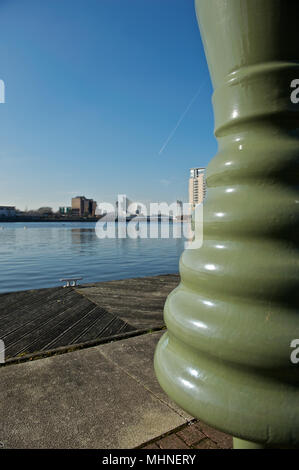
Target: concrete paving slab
{"type": "Point", "coordinates": [83, 399]}
{"type": "Point", "coordinates": [136, 358]}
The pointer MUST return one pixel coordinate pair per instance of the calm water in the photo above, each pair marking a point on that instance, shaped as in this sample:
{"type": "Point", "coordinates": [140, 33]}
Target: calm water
{"type": "Point", "coordinates": [42, 253]}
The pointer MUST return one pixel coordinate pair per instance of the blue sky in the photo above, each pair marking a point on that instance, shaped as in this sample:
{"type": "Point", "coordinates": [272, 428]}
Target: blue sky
{"type": "Point", "coordinates": [94, 92]}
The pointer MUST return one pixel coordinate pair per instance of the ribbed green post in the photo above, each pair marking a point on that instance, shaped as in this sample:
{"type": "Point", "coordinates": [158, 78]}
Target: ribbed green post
{"type": "Point", "coordinates": [226, 356]}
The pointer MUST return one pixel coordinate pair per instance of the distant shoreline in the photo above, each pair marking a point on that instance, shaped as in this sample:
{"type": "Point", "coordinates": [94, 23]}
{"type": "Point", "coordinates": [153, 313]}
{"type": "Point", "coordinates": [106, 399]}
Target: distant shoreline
{"type": "Point", "coordinates": [43, 219]}
{"type": "Point", "coordinates": [86, 219]}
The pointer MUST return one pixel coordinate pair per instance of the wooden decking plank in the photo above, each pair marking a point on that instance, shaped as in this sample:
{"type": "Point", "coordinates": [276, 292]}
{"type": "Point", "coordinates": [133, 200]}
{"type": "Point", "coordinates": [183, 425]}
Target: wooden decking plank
{"type": "Point", "coordinates": [64, 314]}
{"type": "Point", "coordinates": [87, 329]}
{"type": "Point", "coordinates": [69, 335]}
{"type": "Point", "coordinates": [32, 297]}
{"type": "Point", "coordinates": [48, 318]}
{"type": "Point", "coordinates": [116, 326]}
{"type": "Point", "coordinates": [18, 314]}
{"type": "Point", "coordinates": [30, 316]}
{"type": "Point", "coordinates": [99, 328]}
{"type": "Point", "coordinates": [35, 338]}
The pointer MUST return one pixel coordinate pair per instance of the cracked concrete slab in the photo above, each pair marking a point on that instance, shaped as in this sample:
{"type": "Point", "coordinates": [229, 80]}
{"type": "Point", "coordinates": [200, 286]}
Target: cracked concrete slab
{"type": "Point", "coordinates": [136, 358]}
{"type": "Point", "coordinates": [86, 399]}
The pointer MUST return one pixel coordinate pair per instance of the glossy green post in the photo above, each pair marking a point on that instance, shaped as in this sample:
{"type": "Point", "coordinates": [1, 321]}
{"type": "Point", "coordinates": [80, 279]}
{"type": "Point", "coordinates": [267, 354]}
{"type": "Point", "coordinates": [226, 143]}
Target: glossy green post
{"type": "Point", "coordinates": [225, 358]}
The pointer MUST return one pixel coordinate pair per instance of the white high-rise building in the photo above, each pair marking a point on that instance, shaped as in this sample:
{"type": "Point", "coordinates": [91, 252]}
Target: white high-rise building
{"type": "Point", "coordinates": [197, 186]}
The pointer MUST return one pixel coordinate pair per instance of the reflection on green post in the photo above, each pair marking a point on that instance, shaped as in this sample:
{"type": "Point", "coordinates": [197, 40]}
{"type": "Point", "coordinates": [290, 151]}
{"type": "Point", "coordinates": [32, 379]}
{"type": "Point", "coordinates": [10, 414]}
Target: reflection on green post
{"type": "Point", "coordinates": [225, 358]}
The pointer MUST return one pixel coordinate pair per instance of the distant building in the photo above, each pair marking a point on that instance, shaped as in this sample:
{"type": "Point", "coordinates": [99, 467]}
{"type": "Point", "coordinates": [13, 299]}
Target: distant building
{"type": "Point", "coordinates": [44, 211]}
{"type": "Point", "coordinates": [7, 211]}
{"type": "Point", "coordinates": [83, 207]}
{"type": "Point", "coordinates": [65, 210]}
{"type": "Point", "coordinates": [122, 206]}
{"type": "Point", "coordinates": [197, 186]}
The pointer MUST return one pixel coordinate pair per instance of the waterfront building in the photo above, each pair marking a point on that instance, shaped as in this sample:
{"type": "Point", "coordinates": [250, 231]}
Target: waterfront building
{"type": "Point", "coordinates": [122, 206]}
{"type": "Point", "coordinates": [7, 211]}
{"type": "Point", "coordinates": [197, 186]}
{"type": "Point", "coordinates": [83, 207]}
{"type": "Point", "coordinates": [65, 210]}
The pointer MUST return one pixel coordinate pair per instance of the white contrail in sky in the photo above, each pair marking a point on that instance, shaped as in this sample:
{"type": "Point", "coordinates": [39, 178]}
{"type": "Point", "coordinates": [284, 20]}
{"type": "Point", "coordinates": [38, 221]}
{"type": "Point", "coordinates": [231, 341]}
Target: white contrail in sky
{"type": "Point", "coordinates": [181, 118]}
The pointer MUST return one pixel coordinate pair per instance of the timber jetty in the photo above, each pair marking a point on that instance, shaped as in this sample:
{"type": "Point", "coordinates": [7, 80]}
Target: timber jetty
{"type": "Point", "coordinates": [45, 321]}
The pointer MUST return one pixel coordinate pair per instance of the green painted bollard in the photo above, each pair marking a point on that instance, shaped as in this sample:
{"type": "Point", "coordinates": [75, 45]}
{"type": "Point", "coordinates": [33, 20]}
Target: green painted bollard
{"type": "Point", "coordinates": [226, 358]}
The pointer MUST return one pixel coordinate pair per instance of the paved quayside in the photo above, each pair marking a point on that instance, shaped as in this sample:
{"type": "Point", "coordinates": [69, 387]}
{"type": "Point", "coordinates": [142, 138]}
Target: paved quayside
{"type": "Point", "coordinates": [85, 394]}
{"type": "Point", "coordinates": [101, 397]}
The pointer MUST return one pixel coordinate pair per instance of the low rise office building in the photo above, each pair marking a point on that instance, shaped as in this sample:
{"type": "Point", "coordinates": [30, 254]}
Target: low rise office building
{"type": "Point", "coordinates": [83, 207]}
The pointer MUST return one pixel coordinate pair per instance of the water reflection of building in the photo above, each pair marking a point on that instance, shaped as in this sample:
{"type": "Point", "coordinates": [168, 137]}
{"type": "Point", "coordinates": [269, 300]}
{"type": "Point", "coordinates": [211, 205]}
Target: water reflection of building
{"type": "Point", "coordinates": [83, 207]}
{"type": "Point", "coordinates": [82, 235]}
{"type": "Point", "coordinates": [179, 209]}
